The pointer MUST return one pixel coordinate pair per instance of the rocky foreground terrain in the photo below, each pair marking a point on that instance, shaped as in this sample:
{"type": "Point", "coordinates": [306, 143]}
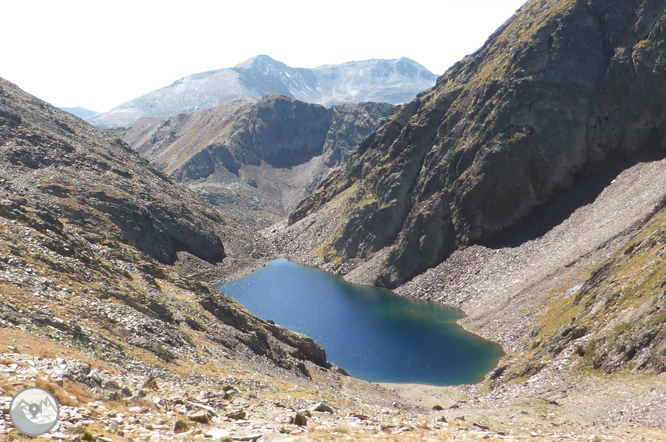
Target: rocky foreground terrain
{"type": "Point", "coordinates": [382, 81]}
{"type": "Point", "coordinates": [255, 162]}
{"type": "Point", "coordinates": [104, 402]}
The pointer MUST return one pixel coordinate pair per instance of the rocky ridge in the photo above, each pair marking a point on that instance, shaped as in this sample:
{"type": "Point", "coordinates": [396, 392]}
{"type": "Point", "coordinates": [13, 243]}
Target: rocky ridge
{"type": "Point", "coordinates": [255, 161]}
{"type": "Point", "coordinates": [502, 133]}
{"type": "Point", "coordinates": [89, 237]}
{"type": "Point", "coordinates": [384, 81]}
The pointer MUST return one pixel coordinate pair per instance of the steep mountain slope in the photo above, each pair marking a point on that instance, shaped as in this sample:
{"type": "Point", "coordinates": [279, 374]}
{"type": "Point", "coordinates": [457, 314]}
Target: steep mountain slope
{"type": "Point", "coordinates": [88, 234]}
{"type": "Point", "coordinates": [255, 161]}
{"type": "Point", "coordinates": [391, 81]}
{"type": "Point", "coordinates": [558, 93]}
{"type": "Point", "coordinates": [613, 319]}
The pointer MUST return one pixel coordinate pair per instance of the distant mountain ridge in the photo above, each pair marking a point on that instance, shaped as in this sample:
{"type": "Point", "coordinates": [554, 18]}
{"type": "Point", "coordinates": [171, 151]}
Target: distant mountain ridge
{"type": "Point", "coordinates": [390, 81]}
{"type": "Point", "coordinates": [80, 112]}
{"type": "Point", "coordinates": [255, 161]}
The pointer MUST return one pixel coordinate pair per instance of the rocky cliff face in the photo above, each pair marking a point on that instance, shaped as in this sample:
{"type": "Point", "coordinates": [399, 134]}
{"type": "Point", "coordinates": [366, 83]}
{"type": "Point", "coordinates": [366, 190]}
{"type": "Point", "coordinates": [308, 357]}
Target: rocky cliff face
{"type": "Point", "coordinates": [383, 81]}
{"type": "Point", "coordinates": [88, 233]}
{"type": "Point", "coordinates": [279, 131]}
{"type": "Point", "coordinates": [559, 92]}
{"type": "Point", "coordinates": [256, 161]}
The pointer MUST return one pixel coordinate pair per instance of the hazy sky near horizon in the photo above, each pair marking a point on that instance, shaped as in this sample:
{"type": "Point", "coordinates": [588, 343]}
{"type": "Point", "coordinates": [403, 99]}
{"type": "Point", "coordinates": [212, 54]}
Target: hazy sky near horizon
{"type": "Point", "coordinates": [100, 54]}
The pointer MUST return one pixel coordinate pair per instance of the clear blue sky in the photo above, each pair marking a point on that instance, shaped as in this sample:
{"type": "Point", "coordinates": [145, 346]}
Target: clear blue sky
{"type": "Point", "coordinates": [99, 54]}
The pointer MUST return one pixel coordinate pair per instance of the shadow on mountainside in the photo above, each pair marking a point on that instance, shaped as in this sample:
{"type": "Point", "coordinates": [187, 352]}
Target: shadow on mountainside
{"type": "Point", "coordinates": [584, 191]}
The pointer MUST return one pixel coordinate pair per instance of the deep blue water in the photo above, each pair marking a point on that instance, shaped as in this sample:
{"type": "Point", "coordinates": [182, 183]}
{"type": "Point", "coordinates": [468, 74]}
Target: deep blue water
{"type": "Point", "coordinates": [370, 332]}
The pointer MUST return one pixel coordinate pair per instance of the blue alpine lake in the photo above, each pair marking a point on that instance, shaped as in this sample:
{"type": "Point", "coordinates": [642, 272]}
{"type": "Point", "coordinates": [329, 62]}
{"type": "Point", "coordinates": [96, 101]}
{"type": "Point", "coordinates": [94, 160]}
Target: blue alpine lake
{"type": "Point", "coordinates": [372, 333]}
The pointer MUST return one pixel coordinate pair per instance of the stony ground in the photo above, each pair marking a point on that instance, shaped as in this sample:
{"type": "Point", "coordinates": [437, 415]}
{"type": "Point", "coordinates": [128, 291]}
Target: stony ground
{"type": "Point", "coordinates": [108, 403]}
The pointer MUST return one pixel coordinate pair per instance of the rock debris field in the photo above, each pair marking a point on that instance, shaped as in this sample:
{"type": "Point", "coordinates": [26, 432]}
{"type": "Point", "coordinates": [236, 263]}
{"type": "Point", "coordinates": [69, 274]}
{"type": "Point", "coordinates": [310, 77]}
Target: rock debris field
{"type": "Point", "coordinates": [112, 405]}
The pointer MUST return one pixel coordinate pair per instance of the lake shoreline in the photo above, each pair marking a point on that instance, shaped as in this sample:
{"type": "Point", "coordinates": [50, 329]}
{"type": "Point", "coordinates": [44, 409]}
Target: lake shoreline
{"type": "Point", "coordinates": [371, 332]}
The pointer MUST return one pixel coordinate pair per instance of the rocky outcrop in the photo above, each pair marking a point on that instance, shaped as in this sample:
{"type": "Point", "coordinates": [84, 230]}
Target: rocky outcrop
{"type": "Point", "coordinates": [350, 124]}
{"type": "Point", "coordinates": [383, 81]}
{"type": "Point", "coordinates": [277, 130]}
{"type": "Point", "coordinates": [559, 92]}
{"type": "Point", "coordinates": [48, 165]}
{"type": "Point", "coordinates": [255, 161]}
{"type": "Point", "coordinates": [261, 334]}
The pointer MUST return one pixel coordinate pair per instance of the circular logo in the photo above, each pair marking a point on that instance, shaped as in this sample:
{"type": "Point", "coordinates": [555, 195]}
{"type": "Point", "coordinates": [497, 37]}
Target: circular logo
{"type": "Point", "coordinates": [34, 411]}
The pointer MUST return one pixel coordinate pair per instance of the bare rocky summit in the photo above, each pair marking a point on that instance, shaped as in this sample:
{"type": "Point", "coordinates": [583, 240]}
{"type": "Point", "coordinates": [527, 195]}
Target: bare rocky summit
{"type": "Point", "coordinates": [383, 81]}
{"type": "Point", "coordinates": [255, 162]}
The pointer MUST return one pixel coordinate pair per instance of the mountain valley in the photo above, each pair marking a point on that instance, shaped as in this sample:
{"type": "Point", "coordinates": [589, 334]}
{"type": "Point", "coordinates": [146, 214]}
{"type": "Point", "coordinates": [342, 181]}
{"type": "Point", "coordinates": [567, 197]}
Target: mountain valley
{"type": "Point", "coordinates": [526, 187]}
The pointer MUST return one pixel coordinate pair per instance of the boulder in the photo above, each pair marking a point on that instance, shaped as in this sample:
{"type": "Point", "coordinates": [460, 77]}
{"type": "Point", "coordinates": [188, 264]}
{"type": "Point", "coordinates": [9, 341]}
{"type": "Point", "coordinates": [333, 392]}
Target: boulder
{"type": "Point", "coordinates": [200, 416]}
{"type": "Point", "coordinates": [237, 415]}
{"type": "Point", "coordinates": [180, 427]}
{"type": "Point", "coordinates": [300, 420]}
{"type": "Point", "coordinates": [324, 408]}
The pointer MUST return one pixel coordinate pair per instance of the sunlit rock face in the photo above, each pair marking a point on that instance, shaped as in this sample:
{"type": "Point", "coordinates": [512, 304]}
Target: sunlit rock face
{"type": "Point", "coordinates": [560, 91]}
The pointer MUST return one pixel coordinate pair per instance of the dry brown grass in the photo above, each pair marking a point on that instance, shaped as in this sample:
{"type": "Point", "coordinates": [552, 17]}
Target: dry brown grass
{"type": "Point", "coordinates": [10, 389]}
{"type": "Point", "coordinates": [31, 345]}
{"type": "Point", "coordinates": [6, 361]}
{"type": "Point", "coordinates": [71, 393]}
{"type": "Point", "coordinates": [344, 429]}
{"type": "Point", "coordinates": [14, 435]}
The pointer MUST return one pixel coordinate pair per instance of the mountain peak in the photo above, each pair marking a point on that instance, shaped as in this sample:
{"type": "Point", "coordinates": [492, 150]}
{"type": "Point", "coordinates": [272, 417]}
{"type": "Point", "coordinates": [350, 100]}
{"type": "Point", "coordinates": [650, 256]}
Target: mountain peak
{"type": "Point", "coordinates": [383, 81]}
{"type": "Point", "coordinates": [258, 60]}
